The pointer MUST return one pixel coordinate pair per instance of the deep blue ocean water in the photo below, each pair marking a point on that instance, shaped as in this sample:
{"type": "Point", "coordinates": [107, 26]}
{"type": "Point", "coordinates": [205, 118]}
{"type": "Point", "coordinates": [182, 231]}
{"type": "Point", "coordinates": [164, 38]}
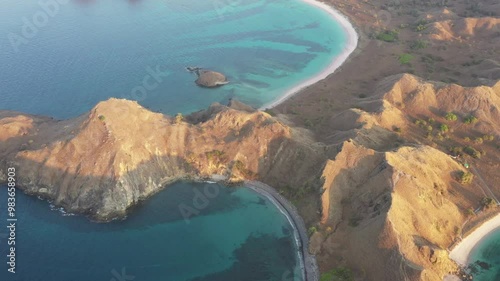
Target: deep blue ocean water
{"type": "Point", "coordinates": [488, 251]}
{"type": "Point", "coordinates": [62, 62]}
{"type": "Point", "coordinates": [237, 236]}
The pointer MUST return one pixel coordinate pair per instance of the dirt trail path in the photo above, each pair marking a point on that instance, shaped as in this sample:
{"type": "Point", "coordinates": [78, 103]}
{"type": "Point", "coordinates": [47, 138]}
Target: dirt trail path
{"type": "Point", "coordinates": [484, 184]}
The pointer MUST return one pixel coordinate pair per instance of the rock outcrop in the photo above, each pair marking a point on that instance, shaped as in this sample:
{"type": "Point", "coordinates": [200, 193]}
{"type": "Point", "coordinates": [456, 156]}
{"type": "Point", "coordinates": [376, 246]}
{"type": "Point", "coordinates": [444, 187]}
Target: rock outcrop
{"type": "Point", "coordinates": [394, 206]}
{"type": "Point", "coordinates": [463, 29]}
{"type": "Point", "coordinates": [119, 153]}
{"type": "Point", "coordinates": [208, 78]}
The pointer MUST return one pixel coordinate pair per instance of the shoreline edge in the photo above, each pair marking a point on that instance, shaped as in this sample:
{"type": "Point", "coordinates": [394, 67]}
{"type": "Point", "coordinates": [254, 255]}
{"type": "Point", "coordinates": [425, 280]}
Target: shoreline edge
{"type": "Point", "coordinates": [351, 45]}
{"type": "Point", "coordinates": [462, 251]}
{"type": "Point", "coordinates": [307, 261]}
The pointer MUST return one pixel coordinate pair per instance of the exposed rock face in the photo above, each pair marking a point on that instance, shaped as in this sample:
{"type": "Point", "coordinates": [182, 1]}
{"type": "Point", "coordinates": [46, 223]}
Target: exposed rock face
{"type": "Point", "coordinates": [463, 28]}
{"type": "Point", "coordinates": [119, 153]}
{"type": "Point", "coordinates": [210, 79]}
{"type": "Point", "coordinates": [400, 202]}
{"type": "Point", "coordinates": [413, 96]}
{"type": "Point", "coordinates": [400, 206]}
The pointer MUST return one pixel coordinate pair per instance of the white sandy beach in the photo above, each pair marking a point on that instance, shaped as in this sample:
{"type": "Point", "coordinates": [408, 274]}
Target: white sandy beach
{"type": "Point", "coordinates": [351, 44]}
{"type": "Point", "coordinates": [462, 251]}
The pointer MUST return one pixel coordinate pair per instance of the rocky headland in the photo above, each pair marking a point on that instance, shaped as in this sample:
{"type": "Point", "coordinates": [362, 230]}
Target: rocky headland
{"type": "Point", "coordinates": [119, 153]}
{"type": "Point", "coordinates": [382, 187]}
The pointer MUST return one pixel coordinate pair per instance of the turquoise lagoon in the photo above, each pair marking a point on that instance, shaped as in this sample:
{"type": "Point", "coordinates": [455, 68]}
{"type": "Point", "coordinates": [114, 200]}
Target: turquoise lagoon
{"type": "Point", "coordinates": [488, 251]}
{"type": "Point", "coordinates": [87, 51]}
{"type": "Point", "coordinates": [238, 236]}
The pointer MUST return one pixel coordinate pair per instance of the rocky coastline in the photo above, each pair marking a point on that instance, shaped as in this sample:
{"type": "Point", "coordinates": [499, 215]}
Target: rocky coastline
{"type": "Point", "coordinates": [91, 165]}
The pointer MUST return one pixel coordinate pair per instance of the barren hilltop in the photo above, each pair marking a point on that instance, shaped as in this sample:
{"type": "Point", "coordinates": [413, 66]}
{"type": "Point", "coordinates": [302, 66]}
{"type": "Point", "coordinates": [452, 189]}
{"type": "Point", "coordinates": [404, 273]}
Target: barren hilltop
{"type": "Point", "coordinates": [105, 161]}
{"type": "Point", "coordinates": [390, 161]}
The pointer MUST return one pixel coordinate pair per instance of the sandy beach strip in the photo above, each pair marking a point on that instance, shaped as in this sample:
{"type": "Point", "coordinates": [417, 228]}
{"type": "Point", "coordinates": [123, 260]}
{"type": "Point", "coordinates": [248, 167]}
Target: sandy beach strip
{"type": "Point", "coordinates": [307, 261]}
{"type": "Point", "coordinates": [462, 251]}
{"type": "Point", "coordinates": [351, 44]}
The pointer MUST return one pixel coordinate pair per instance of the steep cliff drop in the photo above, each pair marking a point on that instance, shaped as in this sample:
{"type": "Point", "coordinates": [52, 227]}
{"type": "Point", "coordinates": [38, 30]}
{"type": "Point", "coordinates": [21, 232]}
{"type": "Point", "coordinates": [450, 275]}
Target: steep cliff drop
{"type": "Point", "coordinates": [119, 153]}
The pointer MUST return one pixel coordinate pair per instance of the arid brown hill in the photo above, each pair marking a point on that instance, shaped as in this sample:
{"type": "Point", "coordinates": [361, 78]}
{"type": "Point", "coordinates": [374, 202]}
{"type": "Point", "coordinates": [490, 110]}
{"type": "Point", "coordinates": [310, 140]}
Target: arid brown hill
{"type": "Point", "coordinates": [119, 153]}
{"type": "Point", "coordinates": [465, 29]}
{"type": "Point", "coordinates": [391, 203]}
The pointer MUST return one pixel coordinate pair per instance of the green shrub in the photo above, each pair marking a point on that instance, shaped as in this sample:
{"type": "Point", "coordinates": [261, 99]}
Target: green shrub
{"type": "Point", "coordinates": [405, 58]}
{"type": "Point", "coordinates": [465, 177]}
{"type": "Point", "coordinates": [488, 203]}
{"type": "Point", "coordinates": [489, 137]}
{"type": "Point", "coordinates": [337, 274]}
{"type": "Point", "coordinates": [470, 119]}
{"type": "Point", "coordinates": [450, 116]}
{"type": "Point", "coordinates": [102, 117]}
{"type": "Point", "coordinates": [420, 122]}
{"type": "Point", "coordinates": [456, 150]}
{"type": "Point", "coordinates": [478, 140]}
{"type": "Point", "coordinates": [312, 230]}
{"type": "Point", "coordinates": [444, 128]}
{"type": "Point", "coordinates": [421, 25]}
{"type": "Point", "coordinates": [387, 36]}
{"type": "Point", "coordinates": [472, 152]}
{"type": "Point", "coordinates": [418, 44]}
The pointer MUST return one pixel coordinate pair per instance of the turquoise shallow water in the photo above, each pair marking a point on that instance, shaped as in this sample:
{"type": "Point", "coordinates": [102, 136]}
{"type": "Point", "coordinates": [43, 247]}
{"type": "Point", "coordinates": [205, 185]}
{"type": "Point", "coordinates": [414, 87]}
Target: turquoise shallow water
{"type": "Point", "coordinates": [89, 51]}
{"type": "Point", "coordinates": [488, 251]}
{"type": "Point", "coordinates": [238, 236]}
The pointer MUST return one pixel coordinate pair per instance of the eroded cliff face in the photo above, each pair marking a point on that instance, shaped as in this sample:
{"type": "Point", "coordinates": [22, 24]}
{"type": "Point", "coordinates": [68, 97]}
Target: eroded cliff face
{"type": "Point", "coordinates": [105, 161]}
{"type": "Point", "coordinates": [399, 206]}
{"type": "Point", "coordinates": [391, 204]}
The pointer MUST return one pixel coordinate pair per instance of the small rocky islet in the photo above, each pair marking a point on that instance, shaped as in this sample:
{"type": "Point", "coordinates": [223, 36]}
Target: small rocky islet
{"type": "Point", "coordinates": [208, 78]}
